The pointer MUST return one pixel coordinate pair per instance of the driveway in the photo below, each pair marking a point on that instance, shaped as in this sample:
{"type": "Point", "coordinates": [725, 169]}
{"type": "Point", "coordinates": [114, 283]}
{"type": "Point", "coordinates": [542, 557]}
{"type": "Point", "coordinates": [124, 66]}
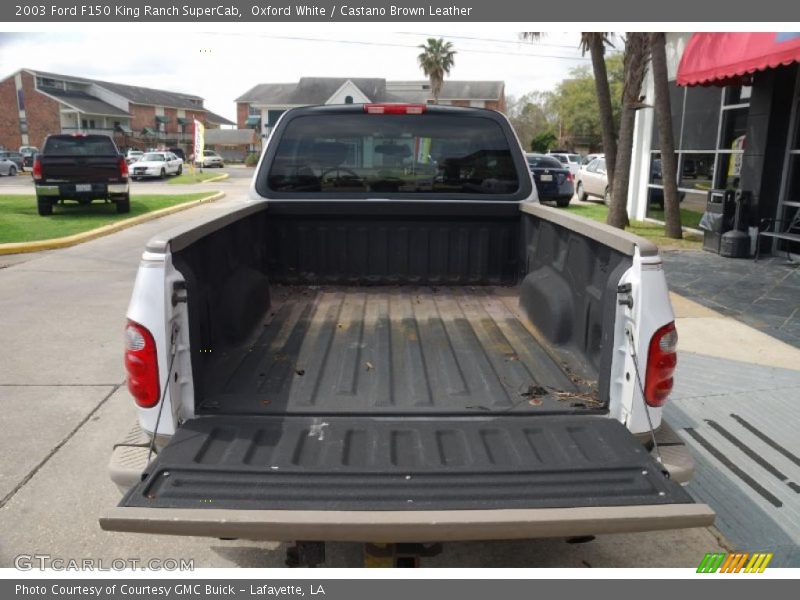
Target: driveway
{"type": "Point", "coordinates": [64, 403]}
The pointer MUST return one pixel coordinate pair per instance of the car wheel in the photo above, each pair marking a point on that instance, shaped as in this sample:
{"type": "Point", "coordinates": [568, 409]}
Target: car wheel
{"type": "Point", "coordinates": [580, 193]}
{"type": "Point", "coordinates": [123, 204]}
{"type": "Point", "coordinates": [12, 170]}
{"type": "Point", "coordinates": [607, 197]}
{"type": "Point", "coordinates": [563, 202]}
{"type": "Point", "coordinates": [180, 170]}
{"type": "Point", "coordinates": [44, 206]}
{"type": "Point", "coordinates": [163, 172]}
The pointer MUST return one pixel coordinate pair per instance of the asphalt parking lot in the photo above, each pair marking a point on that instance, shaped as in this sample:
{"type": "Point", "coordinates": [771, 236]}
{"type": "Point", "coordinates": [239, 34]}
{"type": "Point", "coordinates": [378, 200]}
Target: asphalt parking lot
{"type": "Point", "coordinates": [65, 403]}
{"type": "Point", "coordinates": [237, 175]}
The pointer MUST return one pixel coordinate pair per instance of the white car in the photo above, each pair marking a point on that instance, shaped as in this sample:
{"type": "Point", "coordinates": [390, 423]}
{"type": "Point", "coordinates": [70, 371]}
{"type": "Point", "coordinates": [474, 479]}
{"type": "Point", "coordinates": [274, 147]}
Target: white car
{"type": "Point", "coordinates": [211, 159]}
{"type": "Point", "coordinates": [156, 164]}
{"type": "Point", "coordinates": [8, 167]}
{"type": "Point", "coordinates": [133, 155]}
{"type": "Point", "coordinates": [569, 160]}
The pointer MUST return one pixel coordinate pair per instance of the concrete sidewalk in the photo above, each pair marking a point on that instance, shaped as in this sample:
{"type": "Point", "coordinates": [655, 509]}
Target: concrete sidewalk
{"type": "Point", "coordinates": [735, 403]}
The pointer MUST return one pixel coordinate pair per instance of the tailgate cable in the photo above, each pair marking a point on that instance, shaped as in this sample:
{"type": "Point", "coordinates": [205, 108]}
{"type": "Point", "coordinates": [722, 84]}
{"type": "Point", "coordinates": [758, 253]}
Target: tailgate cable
{"type": "Point", "coordinates": [635, 358]}
{"type": "Point", "coordinates": [173, 353]}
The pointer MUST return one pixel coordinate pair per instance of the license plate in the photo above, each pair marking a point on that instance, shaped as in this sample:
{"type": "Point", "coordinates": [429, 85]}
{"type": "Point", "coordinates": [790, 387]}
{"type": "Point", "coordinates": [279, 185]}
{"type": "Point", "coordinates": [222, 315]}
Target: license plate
{"type": "Point", "coordinates": [545, 178]}
{"type": "Point", "coordinates": [83, 187]}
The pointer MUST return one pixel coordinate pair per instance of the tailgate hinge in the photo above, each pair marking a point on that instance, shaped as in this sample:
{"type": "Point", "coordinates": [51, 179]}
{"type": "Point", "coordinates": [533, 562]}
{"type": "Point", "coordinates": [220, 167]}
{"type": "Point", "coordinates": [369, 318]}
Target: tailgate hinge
{"type": "Point", "coordinates": [179, 293]}
{"type": "Point", "coordinates": [625, 296]}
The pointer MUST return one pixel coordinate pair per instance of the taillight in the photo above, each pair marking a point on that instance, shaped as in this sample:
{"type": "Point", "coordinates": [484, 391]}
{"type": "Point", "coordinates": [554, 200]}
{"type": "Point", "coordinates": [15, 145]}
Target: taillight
{"type": "Point", "coordinates": [141, 363]}
{"type": "Point", "coordinates": [395, 109]}
{"type": "Point", "coordinates": [569, 176]}
{"type": "Point", "coordinates": [661, 361]}
{"type": "Point", "coordinates": [123, 167]}
{"type": "Point", "coordinates": [37, 168]}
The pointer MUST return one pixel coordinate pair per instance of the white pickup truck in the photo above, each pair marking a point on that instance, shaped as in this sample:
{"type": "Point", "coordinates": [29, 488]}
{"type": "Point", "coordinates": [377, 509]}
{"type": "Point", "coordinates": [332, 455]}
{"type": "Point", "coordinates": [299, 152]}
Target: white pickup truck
{"type": "Point", "coordinates": [393, 341]}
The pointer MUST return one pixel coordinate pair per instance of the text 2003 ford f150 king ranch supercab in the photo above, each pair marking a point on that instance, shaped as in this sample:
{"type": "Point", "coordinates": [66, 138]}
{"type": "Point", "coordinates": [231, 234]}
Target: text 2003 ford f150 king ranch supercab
{"type": "Point", "coordinates": [393, 341]}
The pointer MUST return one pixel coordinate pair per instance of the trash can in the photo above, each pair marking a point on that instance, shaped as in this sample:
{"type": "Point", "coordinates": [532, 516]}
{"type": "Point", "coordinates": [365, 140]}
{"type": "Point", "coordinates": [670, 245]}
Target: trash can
{"type": "Point", "coordinates": [718, 218]}
{"type": "Point", "coordinates": [736, 243]}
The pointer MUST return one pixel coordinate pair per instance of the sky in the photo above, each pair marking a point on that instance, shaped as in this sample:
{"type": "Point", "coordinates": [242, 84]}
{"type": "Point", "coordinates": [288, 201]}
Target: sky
{"type": "Point", "coordinates": [221, 65]}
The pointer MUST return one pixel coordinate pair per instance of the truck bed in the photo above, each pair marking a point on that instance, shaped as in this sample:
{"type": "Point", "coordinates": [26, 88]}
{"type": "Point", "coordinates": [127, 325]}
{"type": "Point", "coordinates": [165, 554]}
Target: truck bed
{"type": "Point", "coordinates": [391, 350]}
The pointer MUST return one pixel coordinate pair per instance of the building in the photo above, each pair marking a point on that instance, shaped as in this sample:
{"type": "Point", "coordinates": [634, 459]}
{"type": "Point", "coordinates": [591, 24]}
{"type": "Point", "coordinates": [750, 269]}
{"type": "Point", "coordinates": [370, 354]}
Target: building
{"type": "Point", "coordinates": [34, 104]}
{"type": "Point", "coordinates": [735, 101]}
{"type": "Point", "coordinates": [233, 145]}
{"type": "Point", "coordinates": [260, 107]}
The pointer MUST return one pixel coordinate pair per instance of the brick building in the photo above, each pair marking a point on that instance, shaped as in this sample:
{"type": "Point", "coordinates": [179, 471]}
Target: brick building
{"type": "Point", "coordinates": [34, 104]}
{"type": "Point", "coordinates": [260, 107]}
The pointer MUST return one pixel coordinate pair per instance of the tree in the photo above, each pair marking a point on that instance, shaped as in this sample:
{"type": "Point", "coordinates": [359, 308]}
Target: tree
{"type": "Point", "coordinates": [532, 116]}
{"type": "Point", "coordinates": [635, 66]}
{"type": "Point", "coordinates": [542, 142]}
{"type": "Point", "coordinates": [436, 60]}
{"type": "Point", "coordinates": [574, 104]}
{"type": "Point", "coordinates": [669, 164]}
{"type": "Point", "coordinates": [595, 43]}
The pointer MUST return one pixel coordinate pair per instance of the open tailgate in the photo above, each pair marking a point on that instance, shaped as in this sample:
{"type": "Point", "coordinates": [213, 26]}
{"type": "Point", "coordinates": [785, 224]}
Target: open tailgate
{"type": "Point", "coordinates": [414, 479]}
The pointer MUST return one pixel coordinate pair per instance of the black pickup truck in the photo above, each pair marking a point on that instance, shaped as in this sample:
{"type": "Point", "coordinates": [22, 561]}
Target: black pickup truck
{"type": "Point", "coordinates": [82, 168]}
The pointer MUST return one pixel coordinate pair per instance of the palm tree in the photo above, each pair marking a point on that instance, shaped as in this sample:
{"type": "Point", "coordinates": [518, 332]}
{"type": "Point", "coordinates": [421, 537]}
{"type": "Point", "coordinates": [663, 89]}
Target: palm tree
{"type": "Point", "coordinates": [637, 46]}
{"type": "Point", "coordinates": [669, 165]}
{"type": "Point", "coordinates": [595, 42]}
{"type": "Point", "coordinates": [436, 60]}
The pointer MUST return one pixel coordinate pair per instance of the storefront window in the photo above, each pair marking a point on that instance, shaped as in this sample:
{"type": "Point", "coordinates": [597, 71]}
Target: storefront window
{"type": "Point", "coordinates": [696, 172]}
{"type": "Point", "coordinates": [729, 171]}
{"type": "Point", "coordinates": [737, 94]}
{"type": "Point", "coordinates": [734, 128]}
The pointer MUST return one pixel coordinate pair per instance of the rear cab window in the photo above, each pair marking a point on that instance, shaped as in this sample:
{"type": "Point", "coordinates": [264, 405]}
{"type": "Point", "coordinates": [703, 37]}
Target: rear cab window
{"type": "Point", "coordinates": [348, 153]}
{"type": "Point", "coordinates": [88, 145]}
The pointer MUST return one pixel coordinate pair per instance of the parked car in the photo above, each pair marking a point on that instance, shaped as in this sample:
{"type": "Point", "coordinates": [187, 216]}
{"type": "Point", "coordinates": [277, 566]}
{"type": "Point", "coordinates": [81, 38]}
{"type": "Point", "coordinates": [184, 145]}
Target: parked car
{"type": "Point", "coordinates": [179, 153]}
{"type": "Point", "coordinates": [28, 154]}
{"type": "Point", "coordinates": [553, 180]}
{"type": "Point", "coordinates": [568, 159]}
{"type": "Point", "coordinates": [352, 357]}
{"type": "Point", "coordinates": [80, 167]}
{"type": "Point", "coordinates": [156, 164]}
{"type": "Point", "coordinates": [8, 167]}
{"type": "Point", "coordinates": [133, 155]}
{"type": "Point", "coordinates": [16, 157]}
{"type": "Point", "coordinates": [593, 181]}
{"type": "Point", "coordinates": [589, 158]}
{"type": "Point", "coordinates": [211, 159]}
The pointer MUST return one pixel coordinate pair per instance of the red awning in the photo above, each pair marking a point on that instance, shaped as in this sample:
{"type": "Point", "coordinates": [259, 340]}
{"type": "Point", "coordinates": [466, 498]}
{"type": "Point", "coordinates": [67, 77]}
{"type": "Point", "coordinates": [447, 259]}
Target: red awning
{"type": "Point", "coordinates": [732, 58]}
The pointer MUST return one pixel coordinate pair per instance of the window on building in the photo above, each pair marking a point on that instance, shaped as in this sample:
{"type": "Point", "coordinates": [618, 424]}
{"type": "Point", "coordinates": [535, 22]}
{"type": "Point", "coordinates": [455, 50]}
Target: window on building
{"type": "Point", "coordinates": [709, 128]}
{"type": "Point", "coordinates": [348, 99]}
{"type": "Point", "coordinates": [23, 126]}
{"type": "Point", "coordinates": [253, 111]}
{"type": "Point", "coordinates": [696, 172]}
{"type": "Point", "coordinates": [21, 99]}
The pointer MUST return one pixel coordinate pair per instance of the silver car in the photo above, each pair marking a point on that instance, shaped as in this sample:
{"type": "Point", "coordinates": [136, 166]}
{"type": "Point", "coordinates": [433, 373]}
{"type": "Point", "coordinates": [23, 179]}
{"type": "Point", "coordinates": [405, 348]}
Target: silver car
{"type": "Point", "coordinates": [8, 167]}
{"type": "Point", "coordinates": [212, 159]}
{"type": "Point", "coordinates": [593, 181]}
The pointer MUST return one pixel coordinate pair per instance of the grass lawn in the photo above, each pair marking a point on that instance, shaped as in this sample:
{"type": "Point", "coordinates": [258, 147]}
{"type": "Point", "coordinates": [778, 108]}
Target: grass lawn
{"type": "Point", "coordinates": [689, 218]}
{"type": "Point", "coordinates": [651, 231]}
{"type": "Point", "coordinates": [187, 177]}
{"type": "Point", "coordinates": [19, 221]}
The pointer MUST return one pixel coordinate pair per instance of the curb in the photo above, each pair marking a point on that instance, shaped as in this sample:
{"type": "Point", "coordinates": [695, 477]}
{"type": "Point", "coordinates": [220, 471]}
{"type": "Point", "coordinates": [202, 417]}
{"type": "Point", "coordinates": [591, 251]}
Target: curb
{"type": "Point", "coordinates": [217, 178]}
{"type": "Point", "coordinates": [79, 238]}
{"type": "Point", "coordinates": [212, 180]}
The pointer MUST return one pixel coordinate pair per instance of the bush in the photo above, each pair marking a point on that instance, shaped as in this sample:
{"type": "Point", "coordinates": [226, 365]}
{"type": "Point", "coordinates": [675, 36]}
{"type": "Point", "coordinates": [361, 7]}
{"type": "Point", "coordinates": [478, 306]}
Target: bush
{"type": "Point", "coordinates": [251, 160]}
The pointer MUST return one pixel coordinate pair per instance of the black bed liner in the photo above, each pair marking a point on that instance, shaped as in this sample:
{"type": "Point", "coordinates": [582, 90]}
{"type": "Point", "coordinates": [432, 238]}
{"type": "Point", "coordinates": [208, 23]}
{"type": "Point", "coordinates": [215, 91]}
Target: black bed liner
{"type": "Point", "coordinates": [409, 463]}
{"type": "Point", "coordinates": [392, 350]}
